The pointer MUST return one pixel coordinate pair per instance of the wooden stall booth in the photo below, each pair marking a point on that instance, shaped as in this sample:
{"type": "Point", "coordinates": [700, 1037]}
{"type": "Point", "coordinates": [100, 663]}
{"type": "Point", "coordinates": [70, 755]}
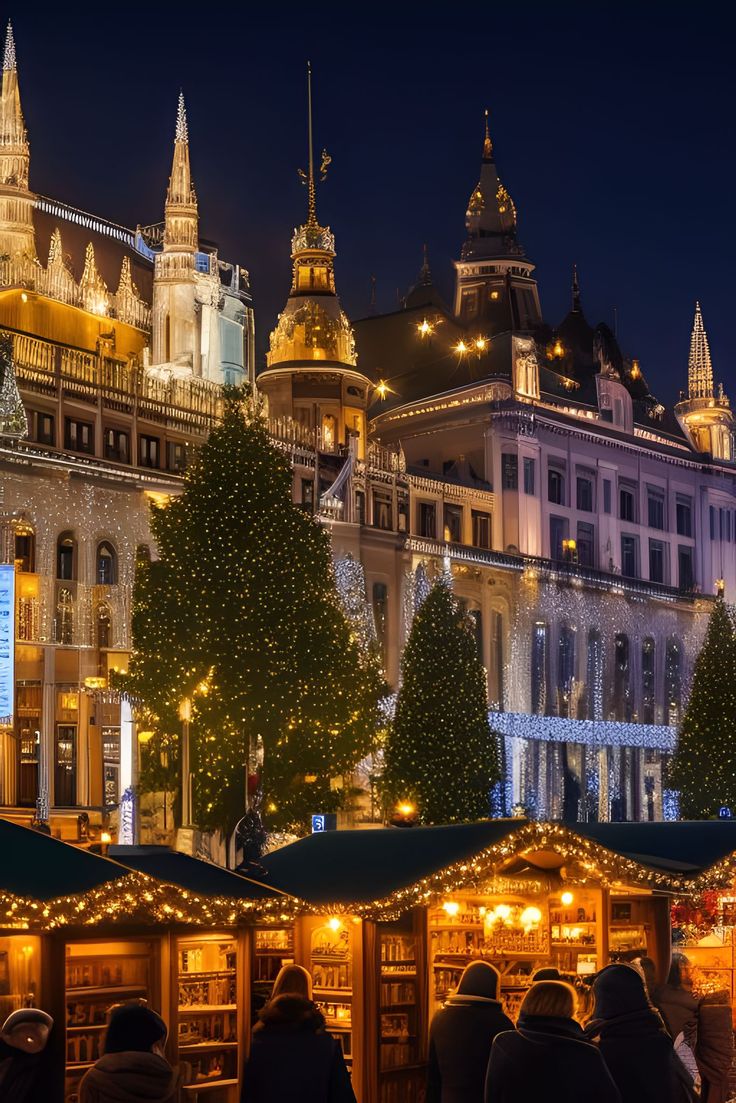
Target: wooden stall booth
{"type": "Point", "coordinates": [80, 933]}
{"type": "Point", "coordinates": [405, 910]}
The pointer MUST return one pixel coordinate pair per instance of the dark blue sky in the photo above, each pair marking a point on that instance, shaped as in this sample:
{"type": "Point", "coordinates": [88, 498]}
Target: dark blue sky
{"type": "Point", "coordinates": [613, 127]}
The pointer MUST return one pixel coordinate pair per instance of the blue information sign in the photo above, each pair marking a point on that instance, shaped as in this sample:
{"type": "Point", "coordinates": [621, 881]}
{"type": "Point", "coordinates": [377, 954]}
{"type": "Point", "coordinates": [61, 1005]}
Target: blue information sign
{"type": "Point", "coordinates": [7, 642]}
{"type": "Point", "coordinates": [325, 821]}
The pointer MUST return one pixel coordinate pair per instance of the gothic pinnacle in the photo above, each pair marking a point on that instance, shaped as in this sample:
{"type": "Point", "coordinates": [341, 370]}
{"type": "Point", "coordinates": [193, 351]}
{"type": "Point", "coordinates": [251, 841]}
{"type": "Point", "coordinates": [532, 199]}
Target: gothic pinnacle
{"type": "Point", "coordinates": [182, 130]}
{"type": "Point", "coordinates": [700, 368]}
{"type": "Point", "coordinates": [487, 143]}
{"type": "Point", "coordinates": [9, 53]}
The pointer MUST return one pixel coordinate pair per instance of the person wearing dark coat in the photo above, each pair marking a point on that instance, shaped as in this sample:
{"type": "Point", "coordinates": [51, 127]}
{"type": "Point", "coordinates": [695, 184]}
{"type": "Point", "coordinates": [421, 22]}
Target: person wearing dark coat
{"type": "Point", "coordinates": [676, 1003]}
{"type": "Point", "coordinates": [25, 1072]}
{"type": "Point", "coordinates": [633, 1040]}
{"type": "Point", "coordinates": [133, 1068]}
{"type": "Point", "coordinates": [548, 1059]}
{"type": "Point", "coordinates": [461, 1036]}
{"type": "Point", "coordinates": [292, 1057]}
{"type": "Point", "coordinates": [714, 1049]}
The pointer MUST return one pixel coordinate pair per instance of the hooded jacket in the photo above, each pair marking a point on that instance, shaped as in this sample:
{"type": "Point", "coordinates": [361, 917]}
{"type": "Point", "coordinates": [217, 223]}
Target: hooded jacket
{"type": "Point", "coordinates": [130, 1077]}
{"type": "Point", "coordinates": [461, 1036]}
{"type": "Point", "coordinates": [25, 1077]}
{"type": "Point", "coordinates": [634, 1042]}
{"type": "Point", "coordinates": [292, 1057]}
{"type": "Point", "coordinates": [548, 1058]}
{"type": "Point", "coordinates": [714, 1051]}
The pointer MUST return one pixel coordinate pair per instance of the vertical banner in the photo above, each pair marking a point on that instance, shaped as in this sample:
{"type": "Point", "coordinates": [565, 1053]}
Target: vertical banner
{"type": "Point", "coordinates": [7, 642]}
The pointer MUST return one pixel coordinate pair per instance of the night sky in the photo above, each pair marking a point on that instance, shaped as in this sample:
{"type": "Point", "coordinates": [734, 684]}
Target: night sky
{"type": "Point", "coordinates": [613, 127]}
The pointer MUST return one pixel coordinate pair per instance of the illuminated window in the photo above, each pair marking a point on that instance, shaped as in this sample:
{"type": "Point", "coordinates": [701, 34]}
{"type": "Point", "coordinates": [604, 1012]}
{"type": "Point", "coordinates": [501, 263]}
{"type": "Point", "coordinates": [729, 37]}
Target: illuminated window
{"type": "Point", "coordinates": [382, 511]}
{"type": "Point", "coordinates": [65, 557]}
{"type": "Point", "coordinates": [149, 451]}
{"type": "Point", "coordinates": [104, 625]}
{"type": "Point", "coordinates": [540, 662]}
{"type": "Point", "coordinates": [481, 529]}
{"type": "Point", "coordinates": [556, 486]}
{"type": "Point", "coordinates": [176, 455]}
{"type": "Point", "coordinates": [107, 565]}
{"type": "Point", "coordinates": [117, 445]}
{"type": "Point", "coordinates": [428, 520]}
{"type": "Point", "coordinates": [25, 550]}
{"type": "Point", "coordinates": [79, 436]}
{"type": "Point", "coordinates": [509, 471]}
{"type": "Point", "coordinates": [64, 620]}
{"type": "Point", "coordinates": [45, 429]}
{"type": "Point", "coordinates": [329, 432]}
{"type": "Point", "coordinates": [453, 524]}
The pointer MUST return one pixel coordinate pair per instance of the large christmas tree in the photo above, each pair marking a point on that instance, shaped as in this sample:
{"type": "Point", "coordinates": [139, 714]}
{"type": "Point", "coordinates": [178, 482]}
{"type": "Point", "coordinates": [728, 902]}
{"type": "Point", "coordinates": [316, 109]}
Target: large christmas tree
{"type": "Point", "coordinates": [703, 767]}
{"type": "Point", "coordinates": [440, 754]}
{"type": "Point", "coordinates": [240, 616]}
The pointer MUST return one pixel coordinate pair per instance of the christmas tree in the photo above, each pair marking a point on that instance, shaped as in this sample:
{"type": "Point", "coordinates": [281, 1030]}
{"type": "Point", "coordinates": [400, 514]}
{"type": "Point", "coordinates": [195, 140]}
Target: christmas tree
{"type": "Point", "coordinates": [240, 618]}
{"type": "Point", "coordinates": [703, 767]}
{"type": "Point", "coordinates": [440, 754]}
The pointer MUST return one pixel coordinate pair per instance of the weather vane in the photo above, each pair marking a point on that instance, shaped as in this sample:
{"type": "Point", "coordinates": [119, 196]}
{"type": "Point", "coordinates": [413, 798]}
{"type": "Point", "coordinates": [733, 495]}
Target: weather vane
{"type": "Point", "coordinates": [307, 177]}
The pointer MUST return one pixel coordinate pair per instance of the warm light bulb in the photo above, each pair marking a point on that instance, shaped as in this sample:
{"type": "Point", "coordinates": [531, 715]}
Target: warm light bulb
{"type": "Point", "coordinates": [405, 808]}
{"type": "Point", "coordinates": [461, 348]}
{"type": "Point", "coordinates": [480, 343]}
{"type": "Point", "coordinates": [530, 917]}
{"type": "Point", "coordinates": [567, 899]}
{"type": "Point", "coordinates": [424, 328]}
{"type": "Point", "coordinates": [334, 923]}
{"type": "Point", "coordinates": [502, 911]}
{"type": "Point", "coordinates": [105, 838]}
{"type": "Point", "coordinates": [451, 907]}
{"type": "Point", "coordinates": [382, 389]}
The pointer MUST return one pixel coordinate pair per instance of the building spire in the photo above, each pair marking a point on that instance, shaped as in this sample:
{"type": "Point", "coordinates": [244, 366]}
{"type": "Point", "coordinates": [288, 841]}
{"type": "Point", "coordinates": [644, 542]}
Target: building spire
{"type": "Point", "coordinates": [699, 368]}
{"type": "Point", "coordinates": [425, 274]}
{"type": "Point", "coordinates": [182, 130]}
{"type": "Point", "coordinates": [9, 64]}
{"type": "Point", "coordinates": [576, 304]}
{"type": "Point", "coordinates": [487, 143]}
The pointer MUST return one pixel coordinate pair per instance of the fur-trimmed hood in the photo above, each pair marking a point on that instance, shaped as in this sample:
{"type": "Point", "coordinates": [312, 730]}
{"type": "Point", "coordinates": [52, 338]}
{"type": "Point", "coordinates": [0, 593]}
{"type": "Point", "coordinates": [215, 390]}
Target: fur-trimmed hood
{"type": "Point", "coordinates": [290, 1012]}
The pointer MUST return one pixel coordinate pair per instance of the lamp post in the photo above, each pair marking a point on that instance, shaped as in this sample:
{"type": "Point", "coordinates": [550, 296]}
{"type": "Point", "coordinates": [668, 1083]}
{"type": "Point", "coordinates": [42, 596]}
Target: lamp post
{"type": "Point", "coordinates": [185, 715]}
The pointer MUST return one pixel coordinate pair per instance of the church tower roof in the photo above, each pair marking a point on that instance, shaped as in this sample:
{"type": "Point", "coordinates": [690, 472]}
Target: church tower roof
{"type": "Point", "coordinates": [699, 367]}
{"type": "Point", "coordinates": [17, 237]}
{"type": "Point", "coordinates": [180, 212]}
{"type": "Point", "coordinates": [491, 215]}
{"type": "Point", "coordinates": [312, 325]}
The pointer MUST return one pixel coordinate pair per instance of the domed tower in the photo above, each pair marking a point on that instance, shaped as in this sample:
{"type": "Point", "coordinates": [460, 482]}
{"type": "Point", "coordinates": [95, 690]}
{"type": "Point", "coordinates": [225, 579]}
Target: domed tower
{"type": "Point", "coordinates": [16, 201]}
{"type": "Point", "coordinates": [705, 415]}
{"type": "Point", "coordinates": [311, 372]}
{"type": "Point", "coordinates": [494, 285]}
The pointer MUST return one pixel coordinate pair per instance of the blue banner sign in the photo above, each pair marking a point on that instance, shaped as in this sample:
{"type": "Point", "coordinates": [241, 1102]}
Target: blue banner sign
{"type": "Point", "coordinates": [7, 642]}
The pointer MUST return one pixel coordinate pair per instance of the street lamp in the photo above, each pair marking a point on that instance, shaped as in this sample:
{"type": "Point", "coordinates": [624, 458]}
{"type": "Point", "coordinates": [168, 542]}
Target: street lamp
{"type": "Point", "coordinates": [185, 715]}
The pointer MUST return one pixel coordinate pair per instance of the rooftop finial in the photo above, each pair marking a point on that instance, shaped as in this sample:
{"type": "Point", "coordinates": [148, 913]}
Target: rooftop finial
{"type": "Point", "coordinates": [575, 290]}
{"type": "Point", "coordinates": [487, 143]}
{"type": "Point", "coordinates": [308, 177]}
{"type": "Point", "coordinates": [9, 54]}
{"type": "Point", "coordinates": [182, 130]}
{"type": "Point", "coordinates": [699, 368]}
{"type": "Point", "coordinates": [425, 275]}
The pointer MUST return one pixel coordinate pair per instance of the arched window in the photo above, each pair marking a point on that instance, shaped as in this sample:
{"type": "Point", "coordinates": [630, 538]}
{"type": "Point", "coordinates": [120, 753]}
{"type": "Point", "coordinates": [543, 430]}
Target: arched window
{"type": "Point", "coordinates": [540, 661]}
{"type": "Point", "coordinates": [64, 623]}
{"type": "Point", "coordinates": [25, 548]}
{"type": "Point", "coordinates": [65, 557]}
{"type": "Point", "coordinates": [565, 669]}
{"type": "Point", "coordinates": [621, 678]}
{"type": "Point", "coordinates": [648, 696]}
{"type": "Point", "coordinates": [106, 573]}
{"type": "Point", "coordinates": [673, 680]}
{"type": "Point", "coordinates": [594, 675]}
{"type": "Point", "coordinates": [104, 625]}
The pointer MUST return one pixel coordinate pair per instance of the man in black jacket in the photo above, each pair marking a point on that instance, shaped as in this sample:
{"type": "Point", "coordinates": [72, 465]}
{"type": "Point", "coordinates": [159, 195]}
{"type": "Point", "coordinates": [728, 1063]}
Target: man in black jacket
{"type": "Point", "coordinates": [461, 1037]}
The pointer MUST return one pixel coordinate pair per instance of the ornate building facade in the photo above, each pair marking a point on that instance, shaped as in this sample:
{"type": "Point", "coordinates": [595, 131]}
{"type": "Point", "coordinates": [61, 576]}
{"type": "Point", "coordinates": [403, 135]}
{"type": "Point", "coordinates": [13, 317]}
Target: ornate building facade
{"type": "Point", "coordinates": [114, 347]}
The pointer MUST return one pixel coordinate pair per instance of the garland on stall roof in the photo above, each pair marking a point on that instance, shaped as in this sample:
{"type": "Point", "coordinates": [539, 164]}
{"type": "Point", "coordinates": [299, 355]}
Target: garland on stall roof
{"type": "Point", "coordinates": [139, 898]}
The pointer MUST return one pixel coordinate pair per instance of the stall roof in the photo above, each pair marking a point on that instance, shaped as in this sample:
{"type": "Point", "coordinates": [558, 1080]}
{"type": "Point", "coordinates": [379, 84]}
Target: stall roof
{"type": "Point", "coordinates": [36, 865]}
{"type": "Point", "coordinates": [683, 846]}
{"type": "Point", "coordinates": [189, 873]}
{"type": "Point", "coordinates": [361, 866]}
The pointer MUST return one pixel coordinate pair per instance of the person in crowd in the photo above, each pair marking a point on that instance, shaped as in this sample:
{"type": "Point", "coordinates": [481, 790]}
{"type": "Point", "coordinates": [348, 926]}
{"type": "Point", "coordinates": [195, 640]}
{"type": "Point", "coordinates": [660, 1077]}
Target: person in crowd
{"type": "Point", "coordinates": [548, 1056]}
{"type": "Point", "coordinates": [676, 1003]}
{"type": "Point", "coordinates": [649, 969]}
{"type": "Point", "coordinates": [25, 1074]}
{"type": "Point", "coordinates": [292, 1057]}
{"type": "Point", "coordinates": [548, 972]}
{"type": "Point", "coordinates": [632, 1038]}
{"type": "Point", "coordinates": [714, 1048]}
{"type": "Point", "coordinates": [461, 1036]}
{"type": "Point", "coordinates": [133, 1066]}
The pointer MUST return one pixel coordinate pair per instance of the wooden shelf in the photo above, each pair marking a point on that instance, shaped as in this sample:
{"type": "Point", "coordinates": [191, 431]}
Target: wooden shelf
{"type": "Point", "coordinates": [207, 1085]}
{"type": "Point", "coordinates": [199, 1009]}
{"type": "Point", "coordinates": [73, 1066]}
{"type": "Point", "coordinates": [92, 1026]}
{"type": "Point", "coordinates": [207, 1045]}
{"type": "Point", "coordinates": [336, 992]}
{"type": "Point", "coordinates": [184, 976]}
{"type": "Point", "coordinates": [109, 990]}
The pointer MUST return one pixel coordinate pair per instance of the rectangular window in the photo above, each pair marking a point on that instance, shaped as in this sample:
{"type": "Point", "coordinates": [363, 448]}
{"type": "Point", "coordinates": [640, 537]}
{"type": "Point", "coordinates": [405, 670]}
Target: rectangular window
{"type": "Point", "coordinates": [176, 455]}
{"type": "Point", "coordinates": [713, 523]}
{"type": "Point", "coordinates": [428, 520]}
{"type": "Point", "coordinates": [725, 525]}
{"type": "Point", "coordinates": [79, 436]}
{"type": "Point", "coordinates": [45, 429]}
{"type": "Point", "coordinates": [481, 529]}
{"type": "Point", "coordinates": [509, 471]}
{"type": "Point", "coordinates": [65, 766]}
{"type": "Point", "coordinates": [586, 545]}
{"type": "Point", "coordinates": [116, 445]}
{"type": "Point", "coordinates": [628, 557]}
{"type": "Point", "coordinates": [359, 506]}
{"type": "Point", "coordinates": [529, 466]}
{"type": "Point", "coordinates": [558, 529]}
{"type": "Point", "coordinates": [626, 503]}
{"type": "Point", "coordinates": [149, 451]}
{"type": "Point", "coordinates": [684, 512]}
{"type": "Point", "coordinates": [382, 510]}
{"type": "Point", "coordinates": [556, 486]}
{"type": "Point", "coordinates": [686, 574]}
{"type": "Point", "coordinates": [606, 495]}
{"type": "Point", "coordinates": [307, 502]}
{"type": "Point", "coordinates": [655, 509]}
{"type": "Point", "coordinates": [656, 561]}
{"type": "Point", "coordinates": [453, 524]}
{"type": "Point", "coordinates": [585, 494]}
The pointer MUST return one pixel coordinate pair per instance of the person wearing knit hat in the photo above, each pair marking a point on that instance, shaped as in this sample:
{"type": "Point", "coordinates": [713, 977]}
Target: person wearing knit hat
{"type": "Point", "coordinates": [25, 1071]}
{"type": "Point", "coordinates": [634, 1041]}
{"type": "Point", "coordinates": [133, 1067]}
{"type": "Point", "coordinates": [461, 1036]}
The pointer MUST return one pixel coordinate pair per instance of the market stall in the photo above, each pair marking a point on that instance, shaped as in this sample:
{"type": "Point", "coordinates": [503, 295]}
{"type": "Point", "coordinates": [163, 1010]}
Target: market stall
{"type": "Point", "coordinates": [405, 910]}
{"type": "Point", "coordinates": [80, 933]}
